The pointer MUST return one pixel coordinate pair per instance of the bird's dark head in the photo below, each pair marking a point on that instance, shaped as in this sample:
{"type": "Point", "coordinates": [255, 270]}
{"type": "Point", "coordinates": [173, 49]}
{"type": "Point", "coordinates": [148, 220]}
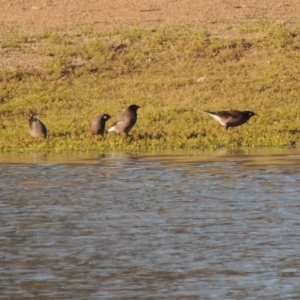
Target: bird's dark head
{"type": "Point", "coordinates": [31, 119]}
{"type": "Point", "coordinates": [250, 113]}
{"type": "Point", "coordinates": [133, 107]}
{"type": "Point", "coordinates": [105, 117]}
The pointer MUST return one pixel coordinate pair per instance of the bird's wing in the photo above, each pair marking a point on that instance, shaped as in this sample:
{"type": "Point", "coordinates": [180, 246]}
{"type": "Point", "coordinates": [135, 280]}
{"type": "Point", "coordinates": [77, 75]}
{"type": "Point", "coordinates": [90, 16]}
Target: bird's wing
{"type": "Point", "coordinates": [232, 114]}
{"type": "Point", "coordinates": [220, 114]}
{"type": "Point", "coordinates": [120, 118]}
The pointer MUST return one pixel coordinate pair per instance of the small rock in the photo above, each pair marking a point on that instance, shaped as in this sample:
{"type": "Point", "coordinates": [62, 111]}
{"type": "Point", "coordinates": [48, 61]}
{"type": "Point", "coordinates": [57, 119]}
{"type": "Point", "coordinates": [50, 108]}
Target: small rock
{"type": "Point", "coordinates": [202, 79]}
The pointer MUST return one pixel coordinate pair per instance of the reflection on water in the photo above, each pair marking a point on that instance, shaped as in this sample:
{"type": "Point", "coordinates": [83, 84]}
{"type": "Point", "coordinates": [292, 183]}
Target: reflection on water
{"type": "Point", "coordinates": [168, 226]}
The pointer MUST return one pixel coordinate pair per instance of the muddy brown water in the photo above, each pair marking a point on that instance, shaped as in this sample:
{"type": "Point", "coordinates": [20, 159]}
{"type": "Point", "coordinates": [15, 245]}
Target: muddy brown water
{"type": "Point", "coordinates": [219, 225]}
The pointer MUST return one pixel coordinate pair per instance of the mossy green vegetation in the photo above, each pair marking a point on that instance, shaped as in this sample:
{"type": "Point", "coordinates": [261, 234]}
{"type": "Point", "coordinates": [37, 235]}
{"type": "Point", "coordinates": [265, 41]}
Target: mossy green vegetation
{"type": "Point", "coordinates": [172, 73]}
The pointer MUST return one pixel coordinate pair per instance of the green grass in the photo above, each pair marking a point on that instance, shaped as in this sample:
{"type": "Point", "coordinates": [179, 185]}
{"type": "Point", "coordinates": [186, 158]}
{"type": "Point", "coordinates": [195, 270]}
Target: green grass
{"type": "Point", "coordinates": [253, 66]}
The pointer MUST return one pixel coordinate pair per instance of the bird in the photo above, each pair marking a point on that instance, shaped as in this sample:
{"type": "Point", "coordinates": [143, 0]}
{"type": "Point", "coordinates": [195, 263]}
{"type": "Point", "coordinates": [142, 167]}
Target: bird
{"type": "Point", "coordinates": [231, 118]}
{"type": "Point", "coordinates": [126, 120]}
{"type": "Point", "coordinates": [97, 125]}
{"type": "Point", "coordinates": [36, 127]}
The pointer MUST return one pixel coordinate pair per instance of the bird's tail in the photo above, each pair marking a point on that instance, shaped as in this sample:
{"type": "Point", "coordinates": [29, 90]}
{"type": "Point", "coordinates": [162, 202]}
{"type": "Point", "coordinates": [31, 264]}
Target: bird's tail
{"type": "Point", "coordinates": [208, 112]}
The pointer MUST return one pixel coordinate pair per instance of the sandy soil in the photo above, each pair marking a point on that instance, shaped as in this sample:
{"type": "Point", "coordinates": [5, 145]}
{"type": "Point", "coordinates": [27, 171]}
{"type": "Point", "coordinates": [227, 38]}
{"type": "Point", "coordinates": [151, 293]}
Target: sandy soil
{"type": "Point", "coordinates": [65, 15]}
{"type": "Point", "coordinates": [33, 16]}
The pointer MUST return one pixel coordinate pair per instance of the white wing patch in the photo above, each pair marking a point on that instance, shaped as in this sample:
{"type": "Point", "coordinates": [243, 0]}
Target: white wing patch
{"type": "Point", "coordinates": [113, 128]}
{"type": "Point", "coordinates": [220, 120]}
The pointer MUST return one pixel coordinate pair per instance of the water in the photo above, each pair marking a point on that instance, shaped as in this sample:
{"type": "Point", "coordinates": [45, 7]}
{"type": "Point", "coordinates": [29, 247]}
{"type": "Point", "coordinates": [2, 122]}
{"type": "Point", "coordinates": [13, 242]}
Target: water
{"type": "Point", "coordinates": [136, 226]}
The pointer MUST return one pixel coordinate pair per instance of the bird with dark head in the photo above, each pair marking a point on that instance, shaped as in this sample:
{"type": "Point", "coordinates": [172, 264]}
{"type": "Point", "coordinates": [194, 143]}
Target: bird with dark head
{"type": "Point", "coordinates": [231, 118]}
{"type": "Point", "coordinates": [36, 127]}
{"type": "Point", "coordinates": [97, 125]}
{"type": "Point", "coordinates": [126, 120]}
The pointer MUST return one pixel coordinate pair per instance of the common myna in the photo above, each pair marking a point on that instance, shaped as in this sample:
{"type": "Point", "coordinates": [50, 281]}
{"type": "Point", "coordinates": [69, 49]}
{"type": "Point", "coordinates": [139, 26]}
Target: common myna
{"type": "Point", "coordinates": [37, 127]}
{"type": "Point", "coordinates": [126, 120]}
{"type": "Point", "coordinates": [97, 125]}
{"type": "Point", "coordinates": [231, 118]}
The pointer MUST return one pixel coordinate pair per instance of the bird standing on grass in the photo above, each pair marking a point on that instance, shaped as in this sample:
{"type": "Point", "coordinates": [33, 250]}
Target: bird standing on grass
{"type": "Point", "coordinates": [126, 120]}
{"type": "Point", "coordinates": [36, 127]}
{"type": "Point", "coordinates": [97, 125]}
{"type": "Point", "coordinates": [231, 118]}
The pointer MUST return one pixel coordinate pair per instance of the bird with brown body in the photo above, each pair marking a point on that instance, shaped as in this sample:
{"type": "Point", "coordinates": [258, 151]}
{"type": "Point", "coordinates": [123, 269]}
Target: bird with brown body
{"type": "Point", "coordinates": [97, 125]}
{"type": "Point", "coordinates": [231, 118]}
{"type": "Point", "coordinates": [126, 120]}
{"type": "Point", "coordinates": [36, 127]}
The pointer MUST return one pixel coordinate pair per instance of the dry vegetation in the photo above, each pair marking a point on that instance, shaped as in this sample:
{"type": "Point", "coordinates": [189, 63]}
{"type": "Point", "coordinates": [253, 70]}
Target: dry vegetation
{"type": "Point", "coordinates": [171, 72]}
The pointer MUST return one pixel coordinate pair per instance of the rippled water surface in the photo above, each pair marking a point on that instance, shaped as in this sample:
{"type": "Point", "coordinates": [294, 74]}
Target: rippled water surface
{"type": "Point", "coordinates": [161, 226]}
